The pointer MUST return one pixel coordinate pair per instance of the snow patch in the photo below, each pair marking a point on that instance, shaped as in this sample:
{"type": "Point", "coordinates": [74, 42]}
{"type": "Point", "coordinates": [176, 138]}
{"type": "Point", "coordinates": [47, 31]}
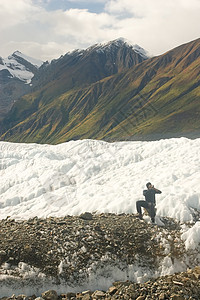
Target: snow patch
{"type": "Point", "coordinates": [192, 237]}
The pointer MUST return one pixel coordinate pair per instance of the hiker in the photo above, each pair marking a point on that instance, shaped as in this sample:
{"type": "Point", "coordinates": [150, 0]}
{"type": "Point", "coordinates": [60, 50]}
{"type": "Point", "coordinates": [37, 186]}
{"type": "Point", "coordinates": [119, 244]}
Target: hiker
{"type": "Point", "coordinates": [149, 203]}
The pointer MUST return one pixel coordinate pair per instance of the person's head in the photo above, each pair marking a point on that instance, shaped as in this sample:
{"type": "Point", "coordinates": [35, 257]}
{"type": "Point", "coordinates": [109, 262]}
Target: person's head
{"type": "Point", "coordinates": [148, 185]}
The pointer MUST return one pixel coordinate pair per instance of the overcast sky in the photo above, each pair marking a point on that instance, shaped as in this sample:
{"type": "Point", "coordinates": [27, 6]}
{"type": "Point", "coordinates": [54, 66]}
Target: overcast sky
{"type": "Point", "coordinates": [46, 29]}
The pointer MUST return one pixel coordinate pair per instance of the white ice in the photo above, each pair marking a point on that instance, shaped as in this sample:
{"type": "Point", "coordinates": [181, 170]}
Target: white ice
{"type": "Point", "coordinates": [95, 176]}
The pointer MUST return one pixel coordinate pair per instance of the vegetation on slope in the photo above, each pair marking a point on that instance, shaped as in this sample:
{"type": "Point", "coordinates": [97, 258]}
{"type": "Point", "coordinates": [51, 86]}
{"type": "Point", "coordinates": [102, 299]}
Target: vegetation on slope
{"type": "Point", "coordinates": [156, 97]}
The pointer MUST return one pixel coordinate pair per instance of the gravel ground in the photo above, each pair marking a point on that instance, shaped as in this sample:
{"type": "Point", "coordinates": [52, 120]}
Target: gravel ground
{"type": "Point", "coordinates": [66, 248]}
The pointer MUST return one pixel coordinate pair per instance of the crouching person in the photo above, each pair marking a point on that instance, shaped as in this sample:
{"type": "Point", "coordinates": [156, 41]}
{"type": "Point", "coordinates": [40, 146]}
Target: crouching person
{"type": "Point", "coordinates": [149, 203]}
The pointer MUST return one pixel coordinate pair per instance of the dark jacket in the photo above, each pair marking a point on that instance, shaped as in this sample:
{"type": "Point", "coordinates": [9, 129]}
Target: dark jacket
{"type": "Point", "coordinates": [150, 195]}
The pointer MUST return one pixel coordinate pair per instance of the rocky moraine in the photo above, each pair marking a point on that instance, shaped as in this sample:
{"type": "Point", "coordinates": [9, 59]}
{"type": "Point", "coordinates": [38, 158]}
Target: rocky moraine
{"type": "Point", "coordinates": [73, 249]}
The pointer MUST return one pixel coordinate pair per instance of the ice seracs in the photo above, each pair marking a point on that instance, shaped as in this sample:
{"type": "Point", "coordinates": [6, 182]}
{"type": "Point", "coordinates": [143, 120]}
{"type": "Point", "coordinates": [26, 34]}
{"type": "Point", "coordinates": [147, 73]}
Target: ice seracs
{"type": "Point", "coordinates": [90, 175]}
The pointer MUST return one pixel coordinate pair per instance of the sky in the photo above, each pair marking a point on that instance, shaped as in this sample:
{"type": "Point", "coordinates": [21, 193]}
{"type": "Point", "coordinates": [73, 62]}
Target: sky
{"type": "Point", "coordinates": [47, 29]}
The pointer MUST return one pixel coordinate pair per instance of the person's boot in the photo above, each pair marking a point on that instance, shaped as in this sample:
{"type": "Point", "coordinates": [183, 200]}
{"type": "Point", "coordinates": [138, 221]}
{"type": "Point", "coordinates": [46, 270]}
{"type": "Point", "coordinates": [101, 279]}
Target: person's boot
{"type": "Point", "coordinates": [140, 216]}
{"type": "Point", "coordinates": [153, 220]}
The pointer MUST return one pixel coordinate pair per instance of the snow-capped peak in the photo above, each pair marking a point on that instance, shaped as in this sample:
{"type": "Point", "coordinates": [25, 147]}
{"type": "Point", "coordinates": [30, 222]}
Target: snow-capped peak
{"type": "Point", "coordinates": [20, 66]}
{"type": "Point", "coordinates": [119, 43]}
{"type": "Point", "coordinates": [36, 62]}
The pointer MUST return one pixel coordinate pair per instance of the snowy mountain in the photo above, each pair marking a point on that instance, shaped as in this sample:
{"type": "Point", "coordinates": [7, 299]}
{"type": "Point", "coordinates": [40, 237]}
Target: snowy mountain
{"type": "Point", "coordinates": [19, 66]}
{"type": "Point", "coordinates": [82, 67]}
{"type": "Point", "coordinates": [119, 43]}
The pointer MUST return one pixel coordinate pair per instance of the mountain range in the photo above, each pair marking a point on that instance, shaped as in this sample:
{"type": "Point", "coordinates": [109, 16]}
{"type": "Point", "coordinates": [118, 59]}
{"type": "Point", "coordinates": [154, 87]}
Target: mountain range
{"type": "Point", "coordinates": [112, 92]}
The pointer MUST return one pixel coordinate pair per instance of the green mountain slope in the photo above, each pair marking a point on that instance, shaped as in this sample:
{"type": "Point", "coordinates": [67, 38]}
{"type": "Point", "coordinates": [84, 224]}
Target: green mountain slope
{"type": "Point", "coordinates": [158, 97]}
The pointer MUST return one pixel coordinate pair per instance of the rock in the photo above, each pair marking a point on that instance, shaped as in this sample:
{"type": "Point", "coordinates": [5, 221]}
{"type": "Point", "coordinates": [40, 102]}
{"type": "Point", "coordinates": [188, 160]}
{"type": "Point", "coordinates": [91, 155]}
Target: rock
{"type": "Point", "coordinates": [197, 272]}
{"type": "Point", "coordinates": [86, 292]}
{"type": "Point", "coordinates": [50, 295]}
{"type": "Point", "coordinates": [71, 295]}
{"type": "Point", "coordinates": [86, 297]}
{"type": "Point", "coordinates": [197, 269]}
{"type": "Point", "coordinates": [22, 297]}
{"type": "Point", "coordinates": [141, 298]}
{"type": "Point", "coordinates": [177, 297]}
{"type": "Point", "coordinates": [162, 296]}
{"type": "Point", "coordinates": [98, 295]}
{"type": "Point", "coordinates": [86, 216]}
{"type": "Point", "coordinates": [112, 290]}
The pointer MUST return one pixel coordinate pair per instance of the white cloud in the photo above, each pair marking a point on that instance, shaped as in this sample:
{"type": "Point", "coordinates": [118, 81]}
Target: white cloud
{"type": "Point", "coordinates": [147, 8]}
{"type": "Point", "coordinates": [15, 12]}
{"type": "Point", "coordinates": [156, 25]}
{"type": "Point", "coordinates": [82, 24]}
{"type": "Point", "coordinates": [44, 51]}
{"type": "Point", "coordinates": [88, 1]}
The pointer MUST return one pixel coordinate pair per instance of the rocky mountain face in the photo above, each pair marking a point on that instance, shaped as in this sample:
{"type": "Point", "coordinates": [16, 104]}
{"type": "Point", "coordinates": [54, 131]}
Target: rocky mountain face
{"type": "Point", "coordinates": [16, 72]}
{"type": "Point", "coordinates": [84, 67]}
{"type": "Point", "coordinates": [10, 90]}
{"type": "Point", "coordinates": [75, 251]}
{"type": "Point", "coordinates": [90, 95]}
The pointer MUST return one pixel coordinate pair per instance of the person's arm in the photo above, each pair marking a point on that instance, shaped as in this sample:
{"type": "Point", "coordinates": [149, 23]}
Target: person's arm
{"type": "Point", "coordinates": [157, 191]}
{"type": "Point", "coordinates": [145, 192]}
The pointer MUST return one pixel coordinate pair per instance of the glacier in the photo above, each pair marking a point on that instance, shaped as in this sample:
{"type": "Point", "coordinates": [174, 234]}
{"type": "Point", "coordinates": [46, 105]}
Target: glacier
{"type": "Point", "coordinates": [100, 177]}
{"type": "Point", "coordinates": [96, 176]}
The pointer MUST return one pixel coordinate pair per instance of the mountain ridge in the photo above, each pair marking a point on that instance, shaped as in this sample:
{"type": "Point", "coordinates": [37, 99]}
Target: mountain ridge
{"type": "Point", "coordinates": [93, 62]}
{"type": "Point", "coordinates": [154, 97]}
